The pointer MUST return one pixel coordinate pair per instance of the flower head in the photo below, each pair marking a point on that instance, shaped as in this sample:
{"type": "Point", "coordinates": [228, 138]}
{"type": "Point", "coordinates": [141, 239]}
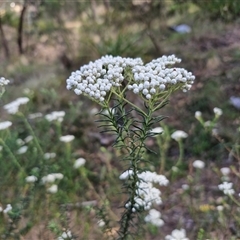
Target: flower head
{"type": "Point", "coordinates": [4, 81]}
{"type": "Point", "coordinates": [177, 235]}
{"type": "Point", "coordinates": [79, 162]}
{"type": "Point", "coordinates": [12, 107]}
{"type": "Point", "coordinates": [49, 155]}
{"type": "Point", "coordinates": [53, 189]}
{"type": "Point", "coordinates": [67, 138]}
{"type": "Point", "coordinates": [5, 125]}
{"type": "Point", "coordinates": [147, 194]}
{"type": "Point", "coordinates": [157, 130]}
{"type": "Point", "coordinates": [226, 187]}
{"type": "Point", "coordinates": [101, 223]}
{"type": "Point", "coordinates": [66, 235]}
{"type": "Point", "coordinates": [52, 177]}
{"type": "Point", "coordinates": [199, 164]}
{"type": "Point", "coordinates": [218, 112]}
{"type": "Point", "coordinates": [153, 217]}
{"type": "Point", "coordinates": [97, 78]}
{"type": "Point", "coordinates": [22, 150]}
{"type": "Point", "coordinates": [178, 135]}
{"type": "Point", "coordinates": [31, 179]}
{"type": "Point", "coordinates": [225, 171]}
{"type": "Point", "coordinates": [198, 114]}
{"type": "Point", "coordinates": [55, 116]}
{"type": "Point", "coordinates": [8, 208]}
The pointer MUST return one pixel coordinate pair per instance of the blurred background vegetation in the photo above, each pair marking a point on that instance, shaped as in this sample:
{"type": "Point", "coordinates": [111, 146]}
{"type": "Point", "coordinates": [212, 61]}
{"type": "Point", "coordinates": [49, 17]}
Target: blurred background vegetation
{"type": "Point", "coordinates": [42, 41]}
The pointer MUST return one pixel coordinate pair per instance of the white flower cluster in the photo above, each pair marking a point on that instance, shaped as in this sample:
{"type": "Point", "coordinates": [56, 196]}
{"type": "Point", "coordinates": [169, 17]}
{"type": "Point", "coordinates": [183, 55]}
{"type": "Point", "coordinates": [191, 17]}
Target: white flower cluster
{"type": "Point", "coordinates": [153, 217]}
{"type": "Point", "coordinates": [177, 235]}
{"type": "Point", "coordinates": [7, 209]}
{"type": "Point", "coordinates": [178, 135]}
{"type": "Point", "coordinates": [12, 107]}
{"type": "Point", "coordinates": [157, 130]}
{"type": "Point", "coordinates": [226, 187]}
{"type": "Point", "coordinates": [146, 193]}
{"type": "Point", "coordinates": [67, 138]}
{"type": "Point", "coordinates": [22, 150]}
{"type": "Point", "coordinates": [31, 179]}
{"type": "Point", "coordinates": [217, 111]}
{"type": "Point", "coordinates": [97, 78]}
{"type": "Point", "coordinates": [5, 125]}
{"type": "Point", "coordinates": [49, 155]}
{"type": "Point", "coordinates": [55, 116]}
{"type": "Point", "coordinates": [65, 235]}
{"type": "Point", "coordinates": [155, 77]}
{"type": "Point", "coordinates": [199, 164]}
{"type": "Point", "coordinates": [4, 81]}
{"type": "Point", "coordinates": [79, 162]}
{"type": "Point", "coordinates": [52, 177]}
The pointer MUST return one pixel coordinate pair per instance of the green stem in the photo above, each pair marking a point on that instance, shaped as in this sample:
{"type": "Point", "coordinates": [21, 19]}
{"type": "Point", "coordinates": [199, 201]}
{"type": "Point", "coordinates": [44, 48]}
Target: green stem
{"type": "Point", "coordinates": [135, 159]}
{"type": "Point", "coordinates": [162, 154]}
{"type": "Point", "coordinates": [234, 199]}
{"type": "Point", "coordinates": [32, 133]}
{"type": "Point", "coordinates": [15, 161]}
{"type": "Point", "coordinates": [121, 97]}
{"type": "Point", "coordinates": [180, 153]}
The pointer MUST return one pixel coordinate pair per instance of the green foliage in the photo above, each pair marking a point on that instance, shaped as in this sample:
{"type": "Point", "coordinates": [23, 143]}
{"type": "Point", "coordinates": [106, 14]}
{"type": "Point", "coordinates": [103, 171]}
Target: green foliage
{"type": "Point", "coordinates": [227, 10]}
{"type": "Point", "coordinates": [10, 18]}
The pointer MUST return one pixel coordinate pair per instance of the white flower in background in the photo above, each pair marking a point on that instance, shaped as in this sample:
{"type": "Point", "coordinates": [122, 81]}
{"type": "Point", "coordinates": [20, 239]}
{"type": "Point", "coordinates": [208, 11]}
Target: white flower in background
{"type": "Point", "coordinates": [198, 114]}
{"type": "Point", "coordinates": [147, 194]}
{"type": "Point", "coordinates": [55, 116]}
{"type": "Point", "coordinates": [225, 171]}
{"type": "Point", "coordinates": [1, 148]}
{"type": "Point", "coordinates": [67, 138]}
{"type": "Point", "coordinates": [157, 130]}
{"type": "Point", "coordinates": [20, 142]}
{"type": "Point", "coordinates": [66, 235]}
{"type": "Point", "coordinates": [218, 112]}
{"type": "Point", "coordinates": [58, 175]}
{"type": "Point", "coordinates": [22, 150]}
{"type": "Point", "coordinates": [8, 208]}
{"type": "Point", "coordinates": [49, 155]}
{"type": "Point", "coordinates": [35, 115]}
{"type": "Point", "coordinates": [94, 111]}
{"type": "Point", "coordinates": [53, 189]}
{"type": "Point", "coordinates": [28, 139]}
{"type": "Point", "coordinates": [12, 107]}
{"type": "Point", "coordinates": [31, 179]}
{"type": "Point", "coordinates": [101, 223]}
{"type": "Point", "coordinates": [48, 179]}
{"type": "Point", "coordinates": [52, 177]}
{"type": "Point", "coordinates": [5, 125]}
{"type": "Point", "coordinates": [199, 164]}
{"type": "Point", "coordinates": [178, 135]}
{"type": "Point", "coordinates": [177, 235]}
{"type": "Point", "coordinates": [175, 169]}
{"type": "Point", "coordinates": [226, 187]}
{"type": "Point", "coordinates": [220, 208]}
{"type": "Point", "coordinates": [4, 81]}
{"type": "Point", "coordinates": [79, 162]}
{"type": "Point", "coordinates": [185, 187]}
{"type": "Point", "coordinates": [153, 217]}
